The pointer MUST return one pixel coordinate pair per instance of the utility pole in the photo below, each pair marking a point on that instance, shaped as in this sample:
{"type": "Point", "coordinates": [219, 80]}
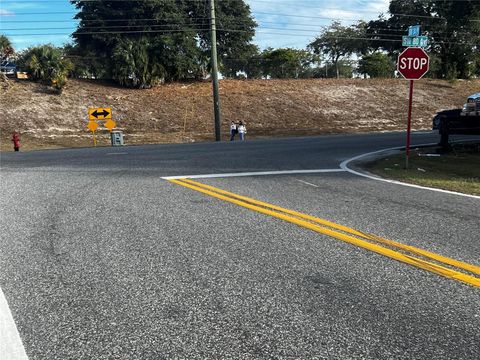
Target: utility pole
{"type": "Point", "coordinates": [216, 97]}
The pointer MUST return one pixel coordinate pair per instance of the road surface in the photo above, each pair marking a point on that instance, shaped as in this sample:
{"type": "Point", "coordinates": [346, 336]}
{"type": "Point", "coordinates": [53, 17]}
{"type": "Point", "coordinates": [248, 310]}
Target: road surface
{"type": "Point", "coordinates": [103, 258]}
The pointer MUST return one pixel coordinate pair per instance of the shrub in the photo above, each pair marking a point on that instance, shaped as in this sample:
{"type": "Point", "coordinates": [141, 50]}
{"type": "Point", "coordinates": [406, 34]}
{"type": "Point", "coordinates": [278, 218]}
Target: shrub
{"type": "Point", "coordinates": [47, 64]}
{"type": "Point", "coordinates": [376, 65]}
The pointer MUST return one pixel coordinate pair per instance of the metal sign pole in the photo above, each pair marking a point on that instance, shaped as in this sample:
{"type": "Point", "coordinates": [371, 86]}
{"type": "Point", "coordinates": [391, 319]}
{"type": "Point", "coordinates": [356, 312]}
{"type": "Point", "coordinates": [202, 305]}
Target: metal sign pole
{"type": "Point", "coordinates": [409, 125]}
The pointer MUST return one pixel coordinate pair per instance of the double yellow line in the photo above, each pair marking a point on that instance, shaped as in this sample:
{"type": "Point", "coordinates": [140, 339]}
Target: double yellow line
{"type": "Point", "coordinates": [422, 259]}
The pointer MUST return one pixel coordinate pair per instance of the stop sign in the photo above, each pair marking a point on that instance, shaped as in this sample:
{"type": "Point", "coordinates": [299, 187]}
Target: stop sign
{"type": "Point", "coordinates": [413, 63]}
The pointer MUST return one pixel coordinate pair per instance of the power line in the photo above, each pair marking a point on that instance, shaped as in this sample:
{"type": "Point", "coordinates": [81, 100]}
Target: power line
{"type": "Point", "coordinates": [265, 13]}
{"type": "Point", "coordinates": [220, 30]}
{"type": "Point", "coordinates": [277, 2]}
{"type": "Point", "coordinates": [192, 25]}
{"type": "Point", "coordinates": [337, 18]}
{"type": "Point", "coordinates": [97, 20]}
{"type": "Point", "coordinates": [133, 21]}
{"type": "Point", "coordinates": [85, 29]}
{"type": "Point", "coordinates": [89, 30]}
{"type": "Point", "coordinates": [255, 1]}
{"type": "Point", "coordinates": [114, 32]}
{"type": "Point", "coordinates": [42, 13]}
{"type": "Point", "coordinates": [81, 29]}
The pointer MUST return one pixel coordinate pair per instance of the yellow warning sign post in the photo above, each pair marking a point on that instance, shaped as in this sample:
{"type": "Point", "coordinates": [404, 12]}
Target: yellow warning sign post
{"type": "Point", "coordinates": [99, 113]}
{"type": "Point", "coordinates": [93, 126]}
{"type": "Point", "coordinates": [110, 125]}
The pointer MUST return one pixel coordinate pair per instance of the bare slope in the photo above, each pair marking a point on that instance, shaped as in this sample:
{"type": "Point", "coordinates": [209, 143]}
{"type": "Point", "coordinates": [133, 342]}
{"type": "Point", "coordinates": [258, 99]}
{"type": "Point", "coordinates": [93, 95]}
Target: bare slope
{"type": "Point", "coordinates": [183, 112]}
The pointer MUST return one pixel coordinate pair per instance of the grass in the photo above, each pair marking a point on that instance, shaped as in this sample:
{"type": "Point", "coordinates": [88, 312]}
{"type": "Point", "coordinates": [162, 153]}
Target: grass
{"type": "Point", "coordinates": [458, 170]}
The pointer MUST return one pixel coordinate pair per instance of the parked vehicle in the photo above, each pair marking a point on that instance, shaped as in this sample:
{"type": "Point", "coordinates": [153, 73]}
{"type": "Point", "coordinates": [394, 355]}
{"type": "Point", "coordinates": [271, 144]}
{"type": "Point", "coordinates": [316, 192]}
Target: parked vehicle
{"type": "Point", "coordinates": [472, 107]}
{"type": "Point", "coordinates": [8, 68]}
{"type": "Point", "coordinates": [465, 121]}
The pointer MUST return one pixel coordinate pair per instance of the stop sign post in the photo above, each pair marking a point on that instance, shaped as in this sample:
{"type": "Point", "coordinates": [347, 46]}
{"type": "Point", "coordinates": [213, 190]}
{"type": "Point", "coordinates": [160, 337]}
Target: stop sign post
{"type": "Point", "coordinates": [413, 64]}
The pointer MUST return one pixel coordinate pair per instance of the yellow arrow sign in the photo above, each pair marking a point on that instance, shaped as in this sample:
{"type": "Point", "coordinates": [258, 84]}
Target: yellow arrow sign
{"type": "Point", "coordinates": [99, 113]}
{"type": "Point", "coordinates": [110, 124]}
{"type": "Point", "coordinates": [92, 125]}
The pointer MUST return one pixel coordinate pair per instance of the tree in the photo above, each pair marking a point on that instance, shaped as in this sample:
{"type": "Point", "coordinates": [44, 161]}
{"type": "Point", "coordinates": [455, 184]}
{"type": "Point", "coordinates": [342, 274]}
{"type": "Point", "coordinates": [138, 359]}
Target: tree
{"type": "Point", "coordinates": [171, 36]}
{"type": "Point", "coordinates": [338, 42]}
{"type": "Point", "coordinates": [242, 60]}
{"type": "Point", "coordinates": [453, 36]}
{"type": "Point", "coordinates": [86, 64]}
{"type": "Point", "coordinates": [345, 69]}
{"type": "Point", "coordinates": [376, 64]}
{"type": "Point", "coordinates": [287, 63]}
{"type": "Point", "coordinates": [47, 64]}
{"type": "Point", "coordinates": [132, 65]}
{"type": "Point", "coordinates": [6, 48]}
{"type": "Point", "coordinates": [235, 31]}
{"type": "Point", "coordinates": [254, 68]}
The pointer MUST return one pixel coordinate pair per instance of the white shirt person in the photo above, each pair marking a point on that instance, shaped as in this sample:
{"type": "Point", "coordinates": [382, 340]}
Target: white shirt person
{"type": "Point", "coordinates": [233, 130]}
{"type": "Point", "coordinates": [242, 130]}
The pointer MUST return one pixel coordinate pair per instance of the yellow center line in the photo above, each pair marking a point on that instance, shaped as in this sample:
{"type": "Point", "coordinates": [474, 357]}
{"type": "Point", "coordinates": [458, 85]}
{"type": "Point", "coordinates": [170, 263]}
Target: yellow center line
{"type": "Point", "coordinates": [411, 249]}
{"type": "Point", "coordinates": [269, 209]}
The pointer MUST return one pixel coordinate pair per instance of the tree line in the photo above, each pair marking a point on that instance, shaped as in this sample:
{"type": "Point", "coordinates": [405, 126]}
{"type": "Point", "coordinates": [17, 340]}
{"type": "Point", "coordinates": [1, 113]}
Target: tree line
{"type": "Point", "coordinates": [141, 44]}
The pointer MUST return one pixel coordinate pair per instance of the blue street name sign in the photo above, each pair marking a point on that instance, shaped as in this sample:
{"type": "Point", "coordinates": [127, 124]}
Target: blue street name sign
{"type": "Point", "coordinates": [414, 30]}
{"type": "Point", "coordinates": [415, 41]}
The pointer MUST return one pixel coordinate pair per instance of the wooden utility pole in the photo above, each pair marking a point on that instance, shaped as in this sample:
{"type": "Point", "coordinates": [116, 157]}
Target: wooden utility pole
{"type": "Point", "coordinates": [216, 96]}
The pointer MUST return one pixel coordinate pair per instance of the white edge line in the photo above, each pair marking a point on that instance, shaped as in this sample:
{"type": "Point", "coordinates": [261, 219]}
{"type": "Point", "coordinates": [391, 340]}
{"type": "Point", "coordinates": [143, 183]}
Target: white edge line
{"type": "Point", "coordinates": [344, 166]}
{"type": "Point", "coordinates": [260, 173]}
{"type": "Point", "coordinates": [11, 345]}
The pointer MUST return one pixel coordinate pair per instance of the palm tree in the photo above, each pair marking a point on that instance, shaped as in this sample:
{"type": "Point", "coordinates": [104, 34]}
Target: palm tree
{"type": "Point", "coordinates": [47, 64]}
{"type": "Point", "coordinates": [133, 64]}
{"type": "Point", "coordinates": [6, 48]}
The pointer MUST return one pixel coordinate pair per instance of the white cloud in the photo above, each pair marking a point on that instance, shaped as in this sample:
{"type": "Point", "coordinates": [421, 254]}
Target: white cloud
{"type": "Point", "coordinates": [22, 5]}
{"type": "Point", "coordinates": [346, 15]}
{"type": "Point", "coordinates": [302, 20]}
{"type": "Point", "coordinates": [380, 5]}
{"type": "Point", "coordinates": [5, 12]}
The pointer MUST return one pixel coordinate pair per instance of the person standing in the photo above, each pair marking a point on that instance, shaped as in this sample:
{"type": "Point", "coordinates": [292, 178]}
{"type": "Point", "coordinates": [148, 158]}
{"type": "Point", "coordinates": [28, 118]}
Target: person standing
{"type": "Point", "coordinates": [16, 141]}
{"type": "Point", "coordinates": [233, 130]}
{"type": "Point", "coordinates": [242, 130]}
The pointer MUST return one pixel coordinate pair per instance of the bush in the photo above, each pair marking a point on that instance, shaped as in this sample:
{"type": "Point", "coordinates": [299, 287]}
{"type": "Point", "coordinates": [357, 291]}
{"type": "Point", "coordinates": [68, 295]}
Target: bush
{"type": "Point", "coordinates": [376, 65]}
{"type": "Point", "coordinates": [47, 64]}
{"type": "Point", "coordinates": [134, 65]}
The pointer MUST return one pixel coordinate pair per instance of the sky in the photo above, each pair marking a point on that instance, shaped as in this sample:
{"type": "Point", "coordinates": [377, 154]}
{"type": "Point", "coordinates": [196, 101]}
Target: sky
{"type": "Point", "coordinates": [282, 23]}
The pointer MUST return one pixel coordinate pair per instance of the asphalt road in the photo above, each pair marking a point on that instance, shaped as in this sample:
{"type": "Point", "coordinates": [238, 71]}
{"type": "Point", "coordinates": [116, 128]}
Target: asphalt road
{"type": "Point", "coordinates": [101, 258]}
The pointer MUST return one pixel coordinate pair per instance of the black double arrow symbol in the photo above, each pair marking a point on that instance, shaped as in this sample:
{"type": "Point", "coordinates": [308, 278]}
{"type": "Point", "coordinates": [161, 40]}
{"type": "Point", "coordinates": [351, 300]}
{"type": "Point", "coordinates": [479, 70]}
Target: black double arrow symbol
{"type": "Point", "coordinates": [104, 113]}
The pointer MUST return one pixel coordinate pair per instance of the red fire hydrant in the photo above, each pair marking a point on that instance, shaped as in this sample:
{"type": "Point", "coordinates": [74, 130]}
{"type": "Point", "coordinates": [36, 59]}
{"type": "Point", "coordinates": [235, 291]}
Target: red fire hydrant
{"type": "Point", "coordinates": [16, 141]}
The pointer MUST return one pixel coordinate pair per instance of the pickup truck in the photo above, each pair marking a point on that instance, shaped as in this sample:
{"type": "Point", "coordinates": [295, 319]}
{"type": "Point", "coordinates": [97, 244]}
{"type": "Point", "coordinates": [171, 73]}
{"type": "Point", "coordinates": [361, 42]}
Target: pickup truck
{"type": "Point", "coordinates": [465, 121]}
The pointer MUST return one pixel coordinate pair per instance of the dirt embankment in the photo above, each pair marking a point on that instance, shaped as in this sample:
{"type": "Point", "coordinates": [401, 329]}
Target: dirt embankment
{"type": "Point", "coordinates": [184, 112]}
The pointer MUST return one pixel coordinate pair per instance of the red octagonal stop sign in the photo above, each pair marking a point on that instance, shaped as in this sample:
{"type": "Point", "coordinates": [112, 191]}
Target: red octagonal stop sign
{"type": "Point", "coordinates": [413, 63]}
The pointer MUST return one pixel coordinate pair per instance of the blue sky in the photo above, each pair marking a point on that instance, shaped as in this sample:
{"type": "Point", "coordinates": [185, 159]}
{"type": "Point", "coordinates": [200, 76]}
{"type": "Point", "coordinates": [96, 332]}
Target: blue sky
{"type": "Point", "coordinates": [282, 23]}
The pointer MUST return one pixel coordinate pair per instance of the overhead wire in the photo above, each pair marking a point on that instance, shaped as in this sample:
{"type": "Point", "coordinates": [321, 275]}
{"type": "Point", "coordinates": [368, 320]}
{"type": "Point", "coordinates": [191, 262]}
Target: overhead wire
{"type": "Point", "coordinates": [133, 20]}
{"type": "Point", "coordinates": [265, 13]}
{"type": "Point", "coordinates": [198, 27]}
{"type": "Point", "coordinates": [221, 30]}
{"type": "Point", "coordinates": [253, 12]}
{"type": "Point", "coordinates": [283, 2]}
{"type": "Point", "coordinates": [101, 27]}
{"type": "Point", "coordinates": [88, 30]}
{"type": "Point", "coordinates": [192, 25]}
